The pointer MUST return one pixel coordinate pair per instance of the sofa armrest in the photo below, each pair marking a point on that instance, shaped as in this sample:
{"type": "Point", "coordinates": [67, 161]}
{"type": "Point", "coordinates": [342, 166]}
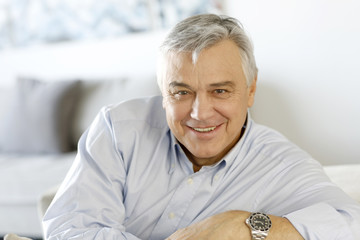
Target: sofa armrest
{"type": "Point", "coordinates": [346, 177]}
{"type": "Point", "coordinates": [12, 236]}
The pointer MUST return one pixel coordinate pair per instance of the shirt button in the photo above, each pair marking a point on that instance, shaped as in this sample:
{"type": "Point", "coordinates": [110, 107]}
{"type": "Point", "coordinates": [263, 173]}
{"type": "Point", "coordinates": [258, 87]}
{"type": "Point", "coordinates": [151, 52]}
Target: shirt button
{"type": "Point", "coordinates": [190, 181]}
{"type": "Point", "coordinates": [216, 177]}
{"type": "Point", "coordinates": [171, 215]}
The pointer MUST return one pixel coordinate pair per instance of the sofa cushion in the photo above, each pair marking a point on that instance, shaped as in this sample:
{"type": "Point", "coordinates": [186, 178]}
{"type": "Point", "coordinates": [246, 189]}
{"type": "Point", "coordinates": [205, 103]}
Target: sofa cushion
{"type": "Point", "coordinates": [5, 95]}
{"type": "Point", "coordinates": [38, 119]}
{"type": "Point", "coordinates": [24, 178]}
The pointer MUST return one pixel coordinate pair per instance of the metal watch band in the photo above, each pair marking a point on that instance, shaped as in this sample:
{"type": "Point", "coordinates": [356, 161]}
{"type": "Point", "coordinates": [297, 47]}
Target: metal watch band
{"type": "Point", "coordinates": [257, 235]}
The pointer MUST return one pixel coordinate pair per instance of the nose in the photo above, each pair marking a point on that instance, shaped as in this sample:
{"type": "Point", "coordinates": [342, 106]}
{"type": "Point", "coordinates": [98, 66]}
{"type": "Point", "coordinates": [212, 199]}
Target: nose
{"type": "Point", "coordinates": [202, 108]}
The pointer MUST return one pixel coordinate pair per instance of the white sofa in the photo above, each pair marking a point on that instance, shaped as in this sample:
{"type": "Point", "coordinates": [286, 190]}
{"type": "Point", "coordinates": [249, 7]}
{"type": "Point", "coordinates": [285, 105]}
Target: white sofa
{"type": "Point", "coordinates": [109, 71]}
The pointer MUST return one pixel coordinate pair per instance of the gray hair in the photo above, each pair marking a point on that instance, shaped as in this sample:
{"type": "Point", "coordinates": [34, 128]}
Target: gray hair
{"type": "Point", "coordinates": [199, 32]}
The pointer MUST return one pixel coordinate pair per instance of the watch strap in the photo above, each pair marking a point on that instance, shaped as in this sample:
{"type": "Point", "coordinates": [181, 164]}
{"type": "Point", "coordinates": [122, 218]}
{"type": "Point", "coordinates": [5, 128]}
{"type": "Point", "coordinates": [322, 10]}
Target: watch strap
{"type": "Point", "coordinates": [258, 235]}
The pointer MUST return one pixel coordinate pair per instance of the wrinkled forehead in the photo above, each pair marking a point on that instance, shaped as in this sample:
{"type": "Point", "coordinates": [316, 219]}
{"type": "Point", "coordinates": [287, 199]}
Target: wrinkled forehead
{"type": "Point", "coordinates": [208, 70]}
{"type": "Point", "coordinates": [220, 62]}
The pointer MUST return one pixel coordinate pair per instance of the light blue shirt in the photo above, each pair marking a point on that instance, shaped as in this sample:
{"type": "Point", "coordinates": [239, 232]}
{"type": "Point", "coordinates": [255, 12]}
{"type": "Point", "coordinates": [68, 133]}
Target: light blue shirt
{"type": "Point", "coordinates": [132, 180]}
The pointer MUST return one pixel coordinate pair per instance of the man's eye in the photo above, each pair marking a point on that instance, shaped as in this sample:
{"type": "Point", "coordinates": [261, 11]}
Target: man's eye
{"type": "Point", "coordinates": [220, 91]}
{"type": "Point", "coordinates": [182, 93]}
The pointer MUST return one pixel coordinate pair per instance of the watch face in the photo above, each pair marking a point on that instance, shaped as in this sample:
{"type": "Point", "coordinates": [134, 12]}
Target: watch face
{"type": "Point", "coordinates": [260, 221]}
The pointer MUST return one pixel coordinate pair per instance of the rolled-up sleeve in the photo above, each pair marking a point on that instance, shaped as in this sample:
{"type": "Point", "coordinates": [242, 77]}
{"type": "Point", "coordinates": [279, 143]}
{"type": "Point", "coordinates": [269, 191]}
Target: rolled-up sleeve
{"type": "Point", "coordinates": [321, 210]}
{"type": "Point", "coordinates": [89, 203]}
{"type": "Point", "coordinates": [322, 221]}
{"type": "Point", "coordinates": [298, 189]}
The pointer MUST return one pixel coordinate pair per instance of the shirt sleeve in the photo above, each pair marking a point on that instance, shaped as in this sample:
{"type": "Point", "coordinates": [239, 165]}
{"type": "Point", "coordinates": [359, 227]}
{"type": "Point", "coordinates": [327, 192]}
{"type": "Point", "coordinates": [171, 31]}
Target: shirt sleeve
{"type": "Point", "coordinates": [316, 207]}
{"type": "Point", "coordinates": [322, 221]}
{"type": "Point", "coordinates": [89, 203]}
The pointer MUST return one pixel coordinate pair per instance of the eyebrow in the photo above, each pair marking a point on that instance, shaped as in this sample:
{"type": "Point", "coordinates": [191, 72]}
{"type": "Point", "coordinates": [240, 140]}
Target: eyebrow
{"type": "Point", "coordinates": [179, 84]}
{"type": "Point", "coordinates": [219, 84]}
{"type": "Point", "coordinates": [222, 84]}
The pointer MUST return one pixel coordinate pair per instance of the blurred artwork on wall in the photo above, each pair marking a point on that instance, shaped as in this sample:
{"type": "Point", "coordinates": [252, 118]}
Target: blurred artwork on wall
{"type": "Point", "coordinates": [29, 22]}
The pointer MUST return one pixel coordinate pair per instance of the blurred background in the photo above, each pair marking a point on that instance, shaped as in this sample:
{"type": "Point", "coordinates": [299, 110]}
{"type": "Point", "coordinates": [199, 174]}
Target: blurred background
{"type": "Point", "coordinates": [28, 22]}
{"type": "Point", "coordinates": [307, 53]}
{"type": "Point", "coordinates": [303, 48]}
{"type": "Point", "coordinates": [308, 57]}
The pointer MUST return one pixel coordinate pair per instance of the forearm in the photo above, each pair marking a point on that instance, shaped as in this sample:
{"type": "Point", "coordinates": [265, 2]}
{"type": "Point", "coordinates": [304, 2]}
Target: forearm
{"type": "Point", "coordinates": [282, 229]}
{"type": "Point", "coordinates": [231, 225]}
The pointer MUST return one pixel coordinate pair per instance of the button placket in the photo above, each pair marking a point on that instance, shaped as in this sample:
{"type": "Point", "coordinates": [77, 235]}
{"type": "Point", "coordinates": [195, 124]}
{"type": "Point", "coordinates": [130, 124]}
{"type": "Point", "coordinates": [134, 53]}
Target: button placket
{"type": "Point", "coordinates": [190, 181]}
{"type": "Point", "coordinates": [178, 205]}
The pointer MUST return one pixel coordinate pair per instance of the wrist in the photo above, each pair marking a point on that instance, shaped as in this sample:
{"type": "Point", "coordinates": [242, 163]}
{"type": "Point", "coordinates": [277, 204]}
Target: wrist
{"type": "Point", "coordinates": [259, 225]}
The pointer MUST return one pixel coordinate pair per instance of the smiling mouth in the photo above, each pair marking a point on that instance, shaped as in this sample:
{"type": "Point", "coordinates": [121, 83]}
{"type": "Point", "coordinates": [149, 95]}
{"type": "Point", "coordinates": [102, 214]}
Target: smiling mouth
{"type": "Point", "coordinates": [209, 129]}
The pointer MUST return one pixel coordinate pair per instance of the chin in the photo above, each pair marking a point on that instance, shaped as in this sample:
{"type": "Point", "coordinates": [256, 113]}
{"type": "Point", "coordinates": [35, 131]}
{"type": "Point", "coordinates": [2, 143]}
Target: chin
{"type": "Point", "coordinates": [206, 154]}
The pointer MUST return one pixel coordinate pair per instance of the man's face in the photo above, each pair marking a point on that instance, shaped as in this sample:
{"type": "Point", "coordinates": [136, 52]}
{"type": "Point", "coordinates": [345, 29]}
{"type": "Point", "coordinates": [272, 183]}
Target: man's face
{"type": "Point", "coordinates": [206, 103]}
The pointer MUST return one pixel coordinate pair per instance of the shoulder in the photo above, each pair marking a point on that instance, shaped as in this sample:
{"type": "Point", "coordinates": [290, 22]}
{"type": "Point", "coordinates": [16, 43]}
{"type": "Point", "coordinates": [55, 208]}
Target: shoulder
{"type": "Point", "coordinates": [276, 155]}
{"type": "Point", "coordinates": [128, 122]}
{"type": "Point", "coordinates": [130, 126]}
{"type": "Point", "coordinates": [273, 146]}
{"type": "Point", "coordinates": [147, 110]}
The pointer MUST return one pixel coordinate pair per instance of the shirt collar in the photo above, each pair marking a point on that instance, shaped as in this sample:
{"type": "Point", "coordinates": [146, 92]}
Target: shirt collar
{"type": "Point", "coordinates": [234, 152]}
{"type": "Point", "coordinates": [175, 148]}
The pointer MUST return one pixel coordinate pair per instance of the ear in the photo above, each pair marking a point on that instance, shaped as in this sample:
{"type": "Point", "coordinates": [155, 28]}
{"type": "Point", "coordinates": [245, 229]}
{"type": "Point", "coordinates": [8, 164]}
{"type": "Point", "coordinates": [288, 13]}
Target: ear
{"type": "Point", "coordinates": [251, 92]}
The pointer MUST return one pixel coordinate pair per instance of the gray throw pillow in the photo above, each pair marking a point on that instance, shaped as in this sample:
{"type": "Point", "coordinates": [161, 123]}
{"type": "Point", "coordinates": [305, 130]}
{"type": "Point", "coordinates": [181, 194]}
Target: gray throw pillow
{"type": "Point", "coordinates": [39, 117]}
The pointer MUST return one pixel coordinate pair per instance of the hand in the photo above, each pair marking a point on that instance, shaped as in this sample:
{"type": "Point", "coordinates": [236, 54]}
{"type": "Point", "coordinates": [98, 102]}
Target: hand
{"type": "Point", "coordinates": [226, 226]}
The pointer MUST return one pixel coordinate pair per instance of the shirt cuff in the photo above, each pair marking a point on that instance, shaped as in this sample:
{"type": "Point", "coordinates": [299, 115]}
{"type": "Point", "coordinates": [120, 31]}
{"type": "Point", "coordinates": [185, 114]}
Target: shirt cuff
{"type": "Point", "coordinates": [320, 221]}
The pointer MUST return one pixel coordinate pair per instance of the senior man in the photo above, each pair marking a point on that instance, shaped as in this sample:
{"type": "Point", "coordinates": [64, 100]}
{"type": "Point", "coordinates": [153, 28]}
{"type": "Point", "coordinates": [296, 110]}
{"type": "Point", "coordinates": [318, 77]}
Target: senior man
{"type": "Point", "coordinates": [192, 164]}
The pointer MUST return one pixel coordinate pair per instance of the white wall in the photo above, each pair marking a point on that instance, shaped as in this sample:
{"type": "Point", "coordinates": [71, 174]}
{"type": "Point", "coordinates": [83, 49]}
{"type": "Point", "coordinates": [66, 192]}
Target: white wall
{"type": "Point", "coordinates": [309, 80]}
{"type": "Point", "coordinates": [93, 59]}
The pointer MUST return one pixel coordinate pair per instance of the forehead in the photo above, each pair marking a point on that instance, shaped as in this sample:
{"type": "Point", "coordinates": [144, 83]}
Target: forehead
{"type": "Point", "coordinates": [221, 62]}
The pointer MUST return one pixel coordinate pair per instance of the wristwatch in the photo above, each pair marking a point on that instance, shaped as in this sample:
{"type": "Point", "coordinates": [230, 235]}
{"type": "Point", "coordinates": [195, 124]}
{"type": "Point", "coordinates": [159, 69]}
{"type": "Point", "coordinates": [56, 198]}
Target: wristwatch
{"type": "Point", "coordinates": [259, 224]}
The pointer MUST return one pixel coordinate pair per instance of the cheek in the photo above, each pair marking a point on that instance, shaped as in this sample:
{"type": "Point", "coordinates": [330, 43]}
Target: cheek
{"type": "Point", "coordinates": [176, 113]}
{"type": "Point", "coordinates": [234, 111]}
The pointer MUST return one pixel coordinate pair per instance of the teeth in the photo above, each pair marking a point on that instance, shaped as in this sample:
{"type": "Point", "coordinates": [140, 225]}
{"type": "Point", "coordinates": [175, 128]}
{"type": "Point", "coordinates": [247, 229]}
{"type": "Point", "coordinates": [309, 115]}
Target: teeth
{"type": "Point", "coordinates": [204, 129]}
